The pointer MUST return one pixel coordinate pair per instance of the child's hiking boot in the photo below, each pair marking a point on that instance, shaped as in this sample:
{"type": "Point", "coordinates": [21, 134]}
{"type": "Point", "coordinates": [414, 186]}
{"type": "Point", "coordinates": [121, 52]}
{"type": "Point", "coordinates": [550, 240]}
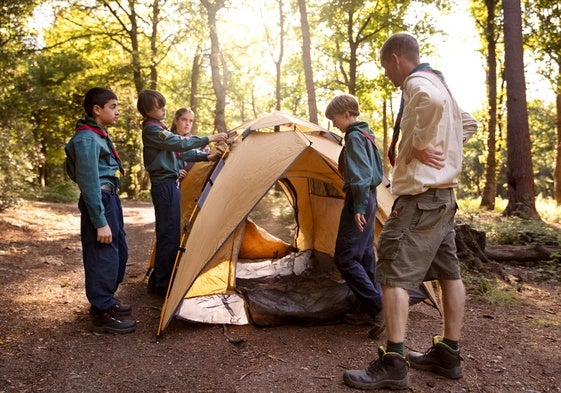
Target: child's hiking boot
{"type": "Point", "coordinates": [359, 318]}
{"type": "Point", "coordinates": [121, 310]}
{"type": "Point", "coordinates": [388, 371]}
{"type": "Point", "coordinates": [439, 358]}
{"type": "Point", "coordinates": [118, 310]}
{"type": "Point", "coordinates": [107, 323]}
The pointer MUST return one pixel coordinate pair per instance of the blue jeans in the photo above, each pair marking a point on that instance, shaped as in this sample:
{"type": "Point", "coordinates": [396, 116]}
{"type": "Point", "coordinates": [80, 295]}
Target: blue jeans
{"type": "Point", "coordinates": [166, 198]}
{"type": "Point", "coordinates": [354, 256]}
{"type": "Point", "coordinates": [104, 264]}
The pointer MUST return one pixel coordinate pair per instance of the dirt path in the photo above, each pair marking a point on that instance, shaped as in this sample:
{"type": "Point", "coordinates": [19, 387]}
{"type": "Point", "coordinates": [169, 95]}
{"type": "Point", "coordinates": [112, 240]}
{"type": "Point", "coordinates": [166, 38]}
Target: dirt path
{"type": "Point", "coordinates": [45, 345]}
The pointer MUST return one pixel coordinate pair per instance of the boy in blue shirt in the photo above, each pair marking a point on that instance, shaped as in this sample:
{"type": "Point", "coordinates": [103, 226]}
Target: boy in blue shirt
{"type": "Point", "coordinates": [92, 162]}
{"type": "Point", "coordinates": [161, 162]}
{"type": "Point", "coordinates": [360, 165]}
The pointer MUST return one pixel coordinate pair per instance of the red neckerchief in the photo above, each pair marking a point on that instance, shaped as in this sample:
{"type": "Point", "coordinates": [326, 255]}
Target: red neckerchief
{"type": "Point", "coordinates": [104, 134]}
{"type": "Point", "coordinates": [369, 137]}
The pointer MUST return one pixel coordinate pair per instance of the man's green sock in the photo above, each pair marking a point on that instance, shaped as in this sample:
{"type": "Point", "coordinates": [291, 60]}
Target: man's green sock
{"type": "Point", "coordinates": [395, 347]}
{"type": "Point", "coordinates": [455, 345]}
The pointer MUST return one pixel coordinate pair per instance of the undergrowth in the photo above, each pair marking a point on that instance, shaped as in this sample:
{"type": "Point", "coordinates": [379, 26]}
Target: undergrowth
{"type": "Point", "coordinates": [500, 229]}
{"type": "Point", "coordinates": [492, 290]}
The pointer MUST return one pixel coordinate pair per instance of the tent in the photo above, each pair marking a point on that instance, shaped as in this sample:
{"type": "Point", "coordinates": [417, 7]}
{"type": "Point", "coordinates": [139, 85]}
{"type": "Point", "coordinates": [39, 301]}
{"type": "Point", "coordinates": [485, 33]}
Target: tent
{"type": "Point", "coordinates": [222, 247]}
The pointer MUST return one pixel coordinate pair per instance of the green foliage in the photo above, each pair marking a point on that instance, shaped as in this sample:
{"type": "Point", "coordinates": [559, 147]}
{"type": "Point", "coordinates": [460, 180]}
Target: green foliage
{"type": "Point", "coordinates": [541, 118]}
{"type": "Point", "coordinates": [88, 45]}
{"type": "Point", "coordinates": [145, 196]}
{"type": "Point", "coordinates": [473, 167]}
{"type": "Point", "coordinates": [543, 36]}
{"type": "Point", "coordinates": [61, 192]}
{"type": "Point", "coordinates": [542, 132]}
{"type": "Point", "coordinates": [495, 292]}
{"type": "Point", "coordinates": [500, 229]}
{"type": "Point", "coordinates": [7, 199]}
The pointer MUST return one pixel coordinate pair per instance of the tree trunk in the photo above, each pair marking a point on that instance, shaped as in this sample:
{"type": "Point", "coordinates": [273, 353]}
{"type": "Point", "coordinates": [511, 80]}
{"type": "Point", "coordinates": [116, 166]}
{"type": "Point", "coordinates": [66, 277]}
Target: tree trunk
{"type": "Point", "coordinates": [474, 253]}
{"type": "Point", "coordinates": [155, 19]}
{"type": "Point", "coordinates": [307, 62]}
{"type": "Point", "coordinates": [193, 95]}
{"type": "Point", "coordinates": [470, 246]}
{"type": "Point", "coordinates": [353, 47]}
{"type": "Point", "coordinates": [519, 171]}
{"type": "Point", "coordinates": [135, 46]}
{"type": "Point", "coordinates": [558, 155]}
{"type": "Point", "coordinates": [217, 64]}
{"type": "Point", "coordinates": [530, 253]}
{"type": "Point", "coordinates": [490, 188]}
{"type": "Point", "coordinates": [278, 60]}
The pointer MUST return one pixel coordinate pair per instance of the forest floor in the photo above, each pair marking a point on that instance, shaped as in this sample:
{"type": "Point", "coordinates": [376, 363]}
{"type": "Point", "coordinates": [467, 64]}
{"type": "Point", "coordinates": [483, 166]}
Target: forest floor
{"type": "Point", "coordinates": [509, 345]}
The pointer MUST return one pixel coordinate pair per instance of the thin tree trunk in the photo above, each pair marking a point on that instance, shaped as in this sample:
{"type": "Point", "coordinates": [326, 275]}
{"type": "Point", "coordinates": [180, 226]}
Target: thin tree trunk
{"type": "Point", "coordinates": [132, 32]}
{"type": "Point", "coordinates": [353, 46]}
{"type": "Point", "coordinates": [217, 64]}
{"type": "Point", "coordinates": [155, 19]}
{"type": "Point", "coordinates": [307, 62]}
{"type": "Point", "coordinates": [278, 60]}
{"type": "Point", "coordinates": [490, 188]}
{"type": "Point", "coordinates": [558, 155]}
{"type": "Point", "coordinates": [193, 96]}
{"type": "Point", "coordinates": [520, 175]}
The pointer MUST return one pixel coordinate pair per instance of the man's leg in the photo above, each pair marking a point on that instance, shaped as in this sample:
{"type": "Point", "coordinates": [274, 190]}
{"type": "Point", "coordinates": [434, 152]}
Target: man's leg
{"type": "Point", "coordinates": [390, 370]}
{"type": "Point", "coordinates": [444, 357]}
{"type": "Point", "coordinates": [453, 302]}
{"type": "Point", "coordinates": [396, 308]}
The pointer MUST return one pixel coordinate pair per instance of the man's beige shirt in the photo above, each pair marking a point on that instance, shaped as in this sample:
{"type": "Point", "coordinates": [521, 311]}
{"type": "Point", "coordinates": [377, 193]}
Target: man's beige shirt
{"type": "Point", "coordinates": [431, 117]}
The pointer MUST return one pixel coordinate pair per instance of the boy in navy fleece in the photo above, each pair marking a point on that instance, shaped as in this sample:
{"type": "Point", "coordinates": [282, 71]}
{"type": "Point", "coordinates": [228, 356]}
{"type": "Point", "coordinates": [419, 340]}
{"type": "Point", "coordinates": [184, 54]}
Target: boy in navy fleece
{"type": "Point", "coordinates": [360, 165]}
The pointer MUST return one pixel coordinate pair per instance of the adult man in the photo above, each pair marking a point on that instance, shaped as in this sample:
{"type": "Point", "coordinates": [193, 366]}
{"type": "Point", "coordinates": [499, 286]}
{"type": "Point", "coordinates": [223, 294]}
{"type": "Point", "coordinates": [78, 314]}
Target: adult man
{"type": "Point", "coordinates": [418, 240]}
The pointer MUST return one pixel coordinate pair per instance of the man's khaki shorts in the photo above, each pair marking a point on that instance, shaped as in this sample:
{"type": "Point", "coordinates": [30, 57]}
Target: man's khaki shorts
{"type": "Point", "coordinates": [417, 242]}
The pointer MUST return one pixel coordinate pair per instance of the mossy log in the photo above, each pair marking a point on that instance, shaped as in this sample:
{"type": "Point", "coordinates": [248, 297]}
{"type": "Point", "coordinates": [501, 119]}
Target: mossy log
{"type": "Point", "coordinates": [473, 250]}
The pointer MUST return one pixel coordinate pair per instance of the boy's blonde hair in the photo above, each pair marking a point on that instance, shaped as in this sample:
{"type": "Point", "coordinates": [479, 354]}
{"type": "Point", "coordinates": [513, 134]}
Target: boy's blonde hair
{"type": "Point", "coordinates": [148, 100]}
{"type": "Point", "coordinates": [341, 104]}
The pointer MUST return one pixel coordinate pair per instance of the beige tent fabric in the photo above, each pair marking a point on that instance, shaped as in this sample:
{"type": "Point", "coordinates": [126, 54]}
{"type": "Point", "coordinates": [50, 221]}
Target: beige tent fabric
{"type": "Point", "coordinates": [255, 164]}
{"type": "Point", "coordinates": [191, 188]}
{"type": "Point", "coordinates": [219, 275]}
{"type": "Point", "coordinates": [302, 157]}
{"type": "Point", "coordinates": [280, 122]}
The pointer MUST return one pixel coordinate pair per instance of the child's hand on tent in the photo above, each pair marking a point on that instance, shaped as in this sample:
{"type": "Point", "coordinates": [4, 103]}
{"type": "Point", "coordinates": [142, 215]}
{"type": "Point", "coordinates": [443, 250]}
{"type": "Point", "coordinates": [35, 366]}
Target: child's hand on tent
{"type": "Point", "coordinates": [214, 156]}
{"type": "Point", "coordinates": [182, 174]}
{"type": "Point", "coordinates": [220, 137]}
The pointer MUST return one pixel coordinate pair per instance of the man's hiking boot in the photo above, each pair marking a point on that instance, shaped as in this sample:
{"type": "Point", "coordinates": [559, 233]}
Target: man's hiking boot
{"type": "Point", "coordinates": [378, 327]}
{"type": "Point", "coordinates": [439, 358]}
{"type": "Point", "coordinates": [107, 323]}
{"type": "Point", "coordinates": [389, 371]}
